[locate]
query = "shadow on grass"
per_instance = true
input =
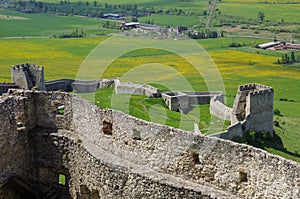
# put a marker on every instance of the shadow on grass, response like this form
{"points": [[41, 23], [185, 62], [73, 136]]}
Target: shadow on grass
{"points": [[264, 141]]}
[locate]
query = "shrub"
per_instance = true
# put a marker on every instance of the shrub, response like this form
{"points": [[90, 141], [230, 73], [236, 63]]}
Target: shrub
{"points": [[277, 112]]}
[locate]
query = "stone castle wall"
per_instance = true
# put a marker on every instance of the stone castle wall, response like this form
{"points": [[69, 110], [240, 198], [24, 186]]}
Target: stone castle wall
{"points": [[28, 76], [254, 103], [219, 109], [135, 89], [5, 86], [59, 84], [176, 101], [203, 97], [133, 152], [183, 101], [260, 110]]}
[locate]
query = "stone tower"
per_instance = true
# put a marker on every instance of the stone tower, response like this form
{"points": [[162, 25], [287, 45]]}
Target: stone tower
{"points": [[28, 76], [254, 105]]}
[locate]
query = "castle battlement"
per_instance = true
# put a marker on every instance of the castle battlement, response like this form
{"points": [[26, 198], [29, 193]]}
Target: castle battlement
{"points": [[268, 91], [26, 66], [253, 86], [254, 103]]}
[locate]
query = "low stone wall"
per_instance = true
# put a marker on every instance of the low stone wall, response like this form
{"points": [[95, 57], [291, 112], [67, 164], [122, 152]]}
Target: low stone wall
{"points": [[202, 97], [59, 84], [176, 101], [85, 86], [5, 86], [135, 89], [219, 109], [233, 131]]}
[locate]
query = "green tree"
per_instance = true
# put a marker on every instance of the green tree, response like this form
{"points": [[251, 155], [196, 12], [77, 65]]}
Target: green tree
{"points": [[293, 59], [261, 16], [71, 10]]}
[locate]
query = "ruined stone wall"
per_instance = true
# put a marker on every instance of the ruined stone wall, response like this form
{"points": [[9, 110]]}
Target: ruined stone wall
{"points": [[59, 84], [80, 86], [219, 109], [108, 176], [135, 89], [203, 97], [5, 86], [15, 149], [237, 168], [233, 131], [139, 158], [27, 76], [176, 101], [20, 77], [260, 111], [254, 103], [85, 86]]}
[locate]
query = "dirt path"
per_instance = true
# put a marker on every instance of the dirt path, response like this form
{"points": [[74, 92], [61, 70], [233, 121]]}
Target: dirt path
{"points": [[212, 9]]}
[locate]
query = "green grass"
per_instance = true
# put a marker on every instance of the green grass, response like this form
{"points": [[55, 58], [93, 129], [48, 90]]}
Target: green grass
{"points": [[250, 9], [191, 5], [46, 24], [155, 110], [62, 179], [168, 20]]}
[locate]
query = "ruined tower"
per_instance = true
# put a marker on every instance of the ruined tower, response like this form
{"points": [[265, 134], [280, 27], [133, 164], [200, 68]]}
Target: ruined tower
{"points": [[28, 76], [253, 106]]}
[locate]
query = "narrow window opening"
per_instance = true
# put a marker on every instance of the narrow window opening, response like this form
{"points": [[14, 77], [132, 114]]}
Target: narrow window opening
{"points": [[243, 177], [61, 110], [196, 158], [107, 128], [61, 179]]}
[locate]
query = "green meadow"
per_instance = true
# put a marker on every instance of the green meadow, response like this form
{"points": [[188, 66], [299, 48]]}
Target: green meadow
{"points": [[168, 20], [276, 11], [46, 24]]}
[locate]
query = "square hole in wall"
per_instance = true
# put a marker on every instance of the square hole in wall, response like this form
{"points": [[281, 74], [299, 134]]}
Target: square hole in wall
{"points": [[61, 179], [195, 157], [107, 128], [61, 110], [136, 135], [243, 177]]}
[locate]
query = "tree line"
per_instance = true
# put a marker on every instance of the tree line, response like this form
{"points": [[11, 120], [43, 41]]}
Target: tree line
{"points": [[96, 9], [288, 58]]}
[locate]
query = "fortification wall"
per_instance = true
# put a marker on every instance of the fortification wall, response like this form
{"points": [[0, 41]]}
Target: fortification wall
{"points": [[5, 86], [203, 97], [85, 86], [20, 77], [254, 104], [260, 111], [27, 76], [219, 109], [81, 86], [233, 131], [15, 148], [141, 152], [59, 84], [135, 89], [224, 164], [108, 176], [176, 101]]}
